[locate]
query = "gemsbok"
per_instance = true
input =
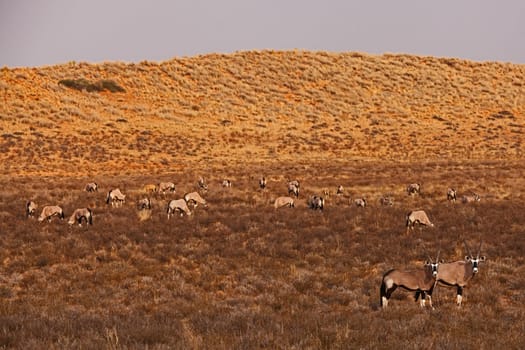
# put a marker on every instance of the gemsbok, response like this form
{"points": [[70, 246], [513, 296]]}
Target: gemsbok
{"points": [[281, 202], [293, 188], [226, 183], [386, 201], [422, 281], [164, 187], [414, 189], [31, 208], [452, 195], [150, 188], [340, 190], [49, 211], [91, 187], [470, 198], [360, 202], [316, 202], [178, 205], [194, 199], [115, 197], [201, 184], [262, 183], [144, 203], [81, 214], [417, 217], [459, 273]]}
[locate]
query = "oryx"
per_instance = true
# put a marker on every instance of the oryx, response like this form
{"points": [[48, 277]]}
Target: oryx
{"points": [[360, 202], [386, 201], [451, 194], [316, 202], [262, 183], [459, 273], [31, 209], [79, 214], [226, 183], [91, 187], [340, 190], [164, 187], [195, 199], [470, 198], [414, 189], [144, 203], [178, 205], [284, 202], [115, 197], [49, 211], [201, 184], [293, 188], [417, 217], [422, 281]]}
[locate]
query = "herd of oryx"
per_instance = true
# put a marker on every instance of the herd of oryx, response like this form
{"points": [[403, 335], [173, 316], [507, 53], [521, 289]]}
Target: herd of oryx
{"points": [[421, 281]]}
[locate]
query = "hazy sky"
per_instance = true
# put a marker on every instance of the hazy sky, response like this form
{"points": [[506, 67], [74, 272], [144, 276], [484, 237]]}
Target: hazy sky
{"points": [[46, 32]]}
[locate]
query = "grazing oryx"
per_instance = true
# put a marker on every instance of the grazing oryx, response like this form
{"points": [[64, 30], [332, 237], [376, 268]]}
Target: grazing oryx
{"points": [[386, 201], [195, 199], [414, 189], [164, 187], [226, 183], [293, 188], [459, 273], [49, 211], [115, 197], [202, 184], [451, 195], [91, 187], [360, 202], [284, 202], [150, 188], [316, 202], [178, 205], [340, 190], [79, 214], [262, 183], [422, 281], [31, 209], [417, 217], [470, 198], [144, 203]]}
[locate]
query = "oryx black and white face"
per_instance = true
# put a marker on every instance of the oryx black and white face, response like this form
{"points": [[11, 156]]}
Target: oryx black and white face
{"points": [[433, 267], [475, 262]]}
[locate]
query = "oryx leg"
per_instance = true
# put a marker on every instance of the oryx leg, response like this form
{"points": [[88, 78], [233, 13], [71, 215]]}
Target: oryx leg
{"points": [[459, 295]]}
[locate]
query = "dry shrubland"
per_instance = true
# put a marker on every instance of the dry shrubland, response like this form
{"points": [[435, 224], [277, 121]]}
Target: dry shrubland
{"points": [[239, 274]]}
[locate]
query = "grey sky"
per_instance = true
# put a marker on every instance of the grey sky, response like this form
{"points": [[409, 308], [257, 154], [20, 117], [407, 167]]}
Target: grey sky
{"points": [[46, 32]]}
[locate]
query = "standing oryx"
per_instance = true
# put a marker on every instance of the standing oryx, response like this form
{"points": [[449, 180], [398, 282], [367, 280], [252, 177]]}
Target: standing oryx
{"points": [[79, 214], [293, 188], [195, 199], [164, 187], [417, 217], [340, 190], [470, 198], [262, 183], [91, 187], [31, 208], [414, 189], [178, 205], [459, 273], [201, 184], [452, 195], [422, 281], [386, 201], [49, 211], [284, 202], [115, 197], [316, 202], [226, 183]]}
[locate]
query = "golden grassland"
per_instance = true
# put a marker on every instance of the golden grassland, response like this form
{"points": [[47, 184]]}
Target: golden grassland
{"points": [[239, 274], [262, 106]]}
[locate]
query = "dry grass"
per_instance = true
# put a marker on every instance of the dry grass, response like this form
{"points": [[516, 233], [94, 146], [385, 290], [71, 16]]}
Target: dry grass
{"points": [[264, 106], [240, 274], [248, 276]]}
